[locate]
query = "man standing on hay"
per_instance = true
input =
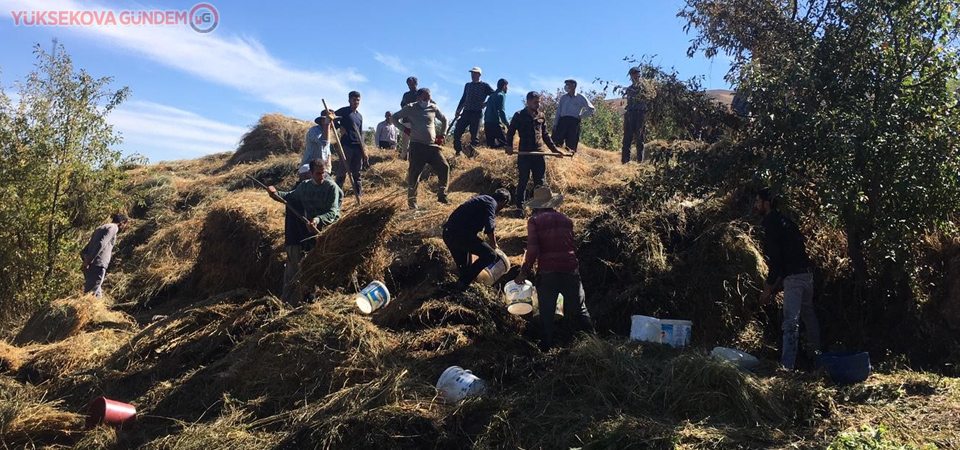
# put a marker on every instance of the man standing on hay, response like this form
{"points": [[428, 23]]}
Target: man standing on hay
{"points": [[408, 97], [425, 144], [789, 269], [529, 122], [550, 244], [97, 253], [495, 115], [319, 199], [572, 108], [386, 134], [318, 142], [351, 121], [633, 117], [460, 234], [470, 110]]}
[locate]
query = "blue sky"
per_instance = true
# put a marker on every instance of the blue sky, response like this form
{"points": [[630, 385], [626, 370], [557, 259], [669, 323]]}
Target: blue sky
{"points": [[194, 94]]}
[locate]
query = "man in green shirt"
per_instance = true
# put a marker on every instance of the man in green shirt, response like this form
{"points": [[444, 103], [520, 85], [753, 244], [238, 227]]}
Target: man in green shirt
{"points": [[320, 199], [495, 115]]}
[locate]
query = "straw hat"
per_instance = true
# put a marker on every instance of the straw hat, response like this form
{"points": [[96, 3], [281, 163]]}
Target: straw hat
{"points": [[543, 197]]}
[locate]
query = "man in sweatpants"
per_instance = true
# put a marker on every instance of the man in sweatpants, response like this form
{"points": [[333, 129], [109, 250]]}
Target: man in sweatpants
{"points": [[786, 255]]}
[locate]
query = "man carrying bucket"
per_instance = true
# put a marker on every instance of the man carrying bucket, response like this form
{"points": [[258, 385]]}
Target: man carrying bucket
{"points": [[425, 142], [319, 199], [460, 234], [550, 244], [789, 269]]}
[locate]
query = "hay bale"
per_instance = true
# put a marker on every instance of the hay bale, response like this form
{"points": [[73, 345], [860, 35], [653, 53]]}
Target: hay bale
{"points": [[273, 134], [78, 353], [241, 245], [70, 316], [351, 248], [28, 420]]}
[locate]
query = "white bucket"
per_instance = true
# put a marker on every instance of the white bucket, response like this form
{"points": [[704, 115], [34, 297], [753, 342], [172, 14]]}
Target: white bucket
{"points": [[492, 273], [738, 358], [645, 328], [519, 297], [676, 333], [455, 384], [372, 297]]}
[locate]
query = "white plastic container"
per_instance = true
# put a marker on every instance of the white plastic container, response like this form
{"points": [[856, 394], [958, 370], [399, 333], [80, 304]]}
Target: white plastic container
{"points": [[741, 359], [519, 297], [676, 333], [455, 384], [645, 328], [492, 273], [373, 297]]}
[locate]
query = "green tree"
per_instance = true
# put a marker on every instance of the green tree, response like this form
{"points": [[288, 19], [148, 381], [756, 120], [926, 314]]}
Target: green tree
{"points": [[59, 175], [851, 100]]}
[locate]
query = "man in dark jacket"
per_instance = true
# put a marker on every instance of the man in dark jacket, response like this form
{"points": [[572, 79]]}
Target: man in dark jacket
{"points": [[789, 269], [351, 121], [531, 126], [460, 234], [470, 110]]}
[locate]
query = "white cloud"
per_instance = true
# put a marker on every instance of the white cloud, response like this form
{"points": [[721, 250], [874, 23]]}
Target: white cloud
{"points": [[481, 50], [164, 132], [391, 61], [238, 62]]}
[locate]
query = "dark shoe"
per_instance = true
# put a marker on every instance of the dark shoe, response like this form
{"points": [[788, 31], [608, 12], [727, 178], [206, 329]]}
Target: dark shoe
{"points": [[413, 206], [521, 213], [443, 199]]}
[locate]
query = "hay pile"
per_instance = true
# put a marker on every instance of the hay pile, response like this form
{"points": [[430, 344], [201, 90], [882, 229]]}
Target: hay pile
{"points": [[693, 260], [61, 319], [168, 259], [273, 134], [80, 353], [350, 251], [11, 357], [241, 245], [29, 420]]}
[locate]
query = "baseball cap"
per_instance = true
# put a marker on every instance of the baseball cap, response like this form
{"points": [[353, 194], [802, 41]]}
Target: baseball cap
{"points": [[476, 69]]}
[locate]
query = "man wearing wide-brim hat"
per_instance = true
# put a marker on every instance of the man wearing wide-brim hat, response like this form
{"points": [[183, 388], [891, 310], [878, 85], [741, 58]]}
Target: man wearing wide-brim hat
{"points": [[318, 142], [551, 244]]}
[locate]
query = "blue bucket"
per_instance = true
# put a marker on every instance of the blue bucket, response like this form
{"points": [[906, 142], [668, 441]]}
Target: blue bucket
{"points": [[846, 367]]}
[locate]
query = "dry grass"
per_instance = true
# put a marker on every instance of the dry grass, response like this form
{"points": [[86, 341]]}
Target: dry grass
{"points": [[168, 259], [11, 357], [83, 352], [27, 419], [273, 134], [61, 319], [230, 431], [241, 244]]}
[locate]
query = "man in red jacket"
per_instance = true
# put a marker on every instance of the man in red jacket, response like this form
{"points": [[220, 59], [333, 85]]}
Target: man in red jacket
{"points": [[550, 241]]}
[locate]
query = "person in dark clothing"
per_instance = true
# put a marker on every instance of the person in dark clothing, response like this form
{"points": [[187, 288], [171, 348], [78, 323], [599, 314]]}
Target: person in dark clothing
{"points": [[552, 246], [789, 269], [495, 115], [633, 117], [409, 97], [460, 234], [470, 110], [295, 234], [531, 126], [350, 120]]}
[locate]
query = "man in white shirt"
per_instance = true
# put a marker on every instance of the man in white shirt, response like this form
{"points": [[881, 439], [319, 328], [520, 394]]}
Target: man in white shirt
{"points": [[571, 109], [386, 136]]}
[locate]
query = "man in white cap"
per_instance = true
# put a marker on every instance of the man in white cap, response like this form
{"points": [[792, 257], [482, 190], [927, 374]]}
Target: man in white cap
{"points": [[550, 244], [470, 110]]}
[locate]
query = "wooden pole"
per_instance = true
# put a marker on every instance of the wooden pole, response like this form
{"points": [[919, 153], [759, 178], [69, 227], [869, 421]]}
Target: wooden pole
{"points": [[343, 157]]}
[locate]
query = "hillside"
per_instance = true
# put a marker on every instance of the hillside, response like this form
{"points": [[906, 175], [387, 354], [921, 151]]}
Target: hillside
{"points": [[194, 336]]}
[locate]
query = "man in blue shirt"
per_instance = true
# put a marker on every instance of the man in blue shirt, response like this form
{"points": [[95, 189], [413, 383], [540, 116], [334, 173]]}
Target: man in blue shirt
{"points": [[495, 115], [460, 234], [350, 120]]}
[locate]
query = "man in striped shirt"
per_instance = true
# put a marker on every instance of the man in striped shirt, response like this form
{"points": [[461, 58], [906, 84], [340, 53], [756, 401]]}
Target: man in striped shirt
{"points": [[550, 244]]}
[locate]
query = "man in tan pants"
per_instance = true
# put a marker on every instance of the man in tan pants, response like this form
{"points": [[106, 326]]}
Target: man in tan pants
{"points": [[425, 142]]}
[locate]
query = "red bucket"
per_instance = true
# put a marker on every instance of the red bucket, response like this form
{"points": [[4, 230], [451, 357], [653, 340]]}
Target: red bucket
{"points": [[111, 412]]}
